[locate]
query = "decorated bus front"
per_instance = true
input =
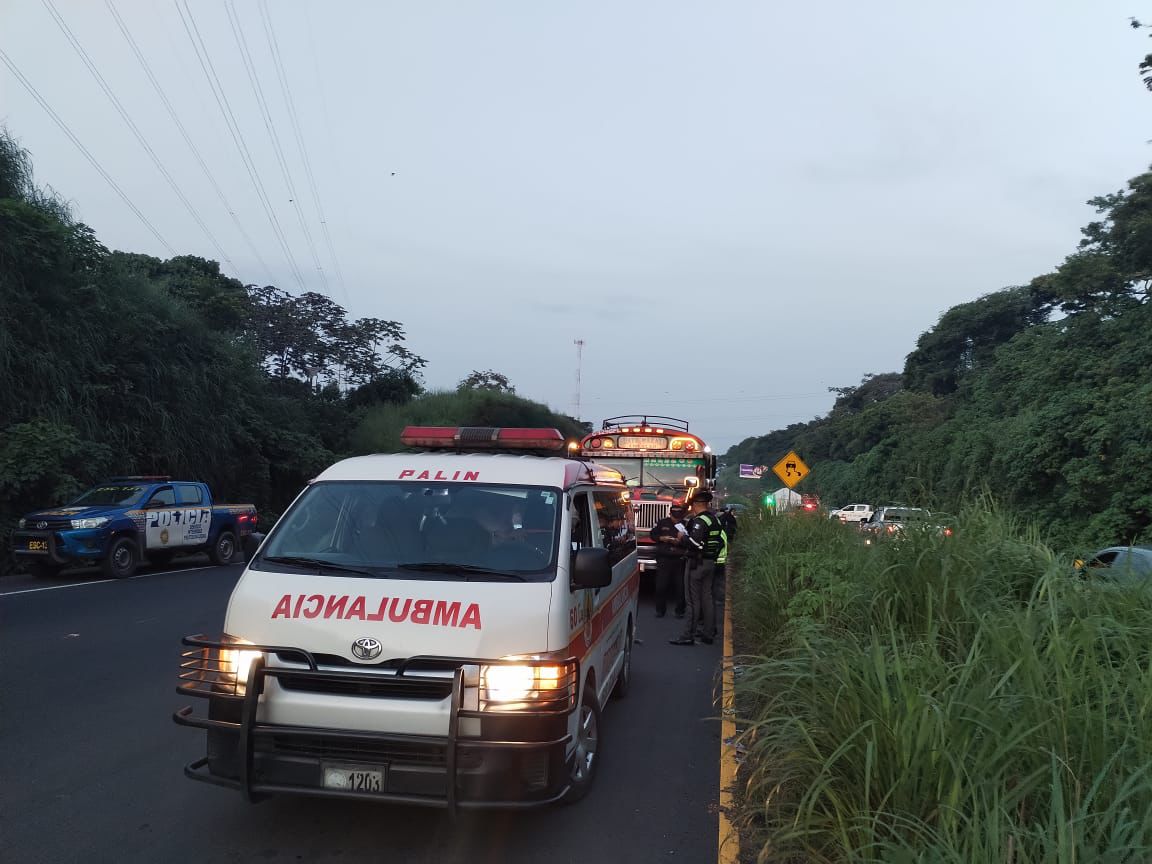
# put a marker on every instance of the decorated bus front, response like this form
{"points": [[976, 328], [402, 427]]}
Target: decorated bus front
{"points": [[662, 462]]}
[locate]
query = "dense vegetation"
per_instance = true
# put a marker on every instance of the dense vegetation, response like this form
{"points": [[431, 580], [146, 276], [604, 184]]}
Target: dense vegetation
{"points": [[117, 363], [1039, 393], [963, 699]]}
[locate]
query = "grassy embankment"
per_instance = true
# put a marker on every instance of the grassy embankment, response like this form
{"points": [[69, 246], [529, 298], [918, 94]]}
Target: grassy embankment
{"points": [[960, 699]]}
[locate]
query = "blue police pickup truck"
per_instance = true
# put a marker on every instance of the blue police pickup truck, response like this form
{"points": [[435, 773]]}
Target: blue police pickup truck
{"points": [[125, 520]]}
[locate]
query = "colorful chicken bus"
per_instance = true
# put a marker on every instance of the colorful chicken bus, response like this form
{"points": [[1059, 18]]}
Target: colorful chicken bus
{"points": [[662, 462]]}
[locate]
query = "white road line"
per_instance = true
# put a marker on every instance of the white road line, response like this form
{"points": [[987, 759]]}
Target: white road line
{"points": [[98, 582]]}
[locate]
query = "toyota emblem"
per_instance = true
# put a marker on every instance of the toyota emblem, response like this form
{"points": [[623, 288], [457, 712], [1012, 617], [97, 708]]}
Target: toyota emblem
{"points": [[366, 648], [41, 525]]}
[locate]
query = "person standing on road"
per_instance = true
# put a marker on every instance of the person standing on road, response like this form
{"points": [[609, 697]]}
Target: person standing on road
{"points": [[719, 586], [669, 536], [728, 522], [705, 541]]}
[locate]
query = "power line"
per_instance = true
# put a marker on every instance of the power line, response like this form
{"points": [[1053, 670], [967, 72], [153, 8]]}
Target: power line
{"points": [[728, 399], [270, 125], [187, 138], [67, 31], [80, 146], [209, 69], [286, 88], [308, 29]]}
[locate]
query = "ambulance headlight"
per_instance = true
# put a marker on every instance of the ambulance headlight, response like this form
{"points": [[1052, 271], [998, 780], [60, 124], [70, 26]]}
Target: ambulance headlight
{"points": [[528, 686], [216, 666], [238, 663], [509, 683]]}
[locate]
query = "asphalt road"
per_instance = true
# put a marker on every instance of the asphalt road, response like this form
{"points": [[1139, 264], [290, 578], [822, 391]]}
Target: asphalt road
{"points": [[90, 761]]}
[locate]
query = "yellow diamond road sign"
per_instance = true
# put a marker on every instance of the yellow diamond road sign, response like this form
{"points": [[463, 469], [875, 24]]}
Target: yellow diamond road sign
{"points": [[791, 469]]}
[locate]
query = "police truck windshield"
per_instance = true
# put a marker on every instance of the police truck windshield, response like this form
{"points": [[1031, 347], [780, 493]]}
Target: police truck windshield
{"points": [[419, 531], [110, 496]]}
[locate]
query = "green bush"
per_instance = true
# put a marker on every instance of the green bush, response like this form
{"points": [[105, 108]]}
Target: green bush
{"points": [[960, 699], [379, 431]]}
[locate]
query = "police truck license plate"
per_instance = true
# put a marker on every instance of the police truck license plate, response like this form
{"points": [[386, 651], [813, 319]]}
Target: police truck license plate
{"points": [[37, 545], [354, 779]]}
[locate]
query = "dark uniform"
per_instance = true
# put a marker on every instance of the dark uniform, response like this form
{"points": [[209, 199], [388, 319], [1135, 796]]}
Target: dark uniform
{"points": [[728, 523], [705, 543], [669, 552]]}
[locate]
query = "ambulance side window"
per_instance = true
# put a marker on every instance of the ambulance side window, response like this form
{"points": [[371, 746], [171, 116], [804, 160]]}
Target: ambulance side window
{"points": [[615, 519], [581, 521]]}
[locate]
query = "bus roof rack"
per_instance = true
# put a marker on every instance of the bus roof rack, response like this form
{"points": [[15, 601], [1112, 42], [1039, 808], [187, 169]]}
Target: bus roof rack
{"points": [[645, 420]]}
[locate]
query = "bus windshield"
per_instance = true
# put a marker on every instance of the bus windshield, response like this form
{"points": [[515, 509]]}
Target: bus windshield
{"points": [[654, 471]]}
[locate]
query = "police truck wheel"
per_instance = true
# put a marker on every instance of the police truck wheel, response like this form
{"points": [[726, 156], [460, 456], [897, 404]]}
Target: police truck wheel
{"points": [[224, 549], [624, 681], [122, 559], [585, 759]]}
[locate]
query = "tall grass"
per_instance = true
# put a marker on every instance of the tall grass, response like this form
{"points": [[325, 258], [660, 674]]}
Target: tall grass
{"points": [[959, 699]]}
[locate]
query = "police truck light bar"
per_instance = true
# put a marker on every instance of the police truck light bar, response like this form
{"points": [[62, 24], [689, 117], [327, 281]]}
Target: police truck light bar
{"points": [[481, 438]]}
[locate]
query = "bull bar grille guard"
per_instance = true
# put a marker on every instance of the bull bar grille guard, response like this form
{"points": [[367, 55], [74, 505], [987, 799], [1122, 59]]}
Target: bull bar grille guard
{"points": [[201, 666]]}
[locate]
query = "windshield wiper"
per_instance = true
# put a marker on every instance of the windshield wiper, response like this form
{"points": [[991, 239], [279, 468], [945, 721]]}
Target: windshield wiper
{"points": [[301, 561], [463, 569]]}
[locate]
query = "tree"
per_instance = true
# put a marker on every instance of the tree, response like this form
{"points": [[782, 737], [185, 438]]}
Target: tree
{"points": [[1112, 268], [967, 335], [487, 380], [1146, 65]]}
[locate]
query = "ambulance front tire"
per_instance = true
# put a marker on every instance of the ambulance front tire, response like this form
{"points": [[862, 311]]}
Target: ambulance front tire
{"points": [[585, 760], [624, 679]]}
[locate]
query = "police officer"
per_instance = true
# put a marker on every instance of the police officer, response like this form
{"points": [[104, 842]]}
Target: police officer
{"points": [[728, 523], [705, 541], [668, 534], [718, 584]]}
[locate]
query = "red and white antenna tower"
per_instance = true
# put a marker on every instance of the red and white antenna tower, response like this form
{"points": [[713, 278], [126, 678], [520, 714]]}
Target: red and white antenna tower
{"points": [[579, 343]]}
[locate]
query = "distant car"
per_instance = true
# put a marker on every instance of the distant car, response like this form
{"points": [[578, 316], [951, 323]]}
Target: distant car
{"points": [[891, 522], [1120, 563], [854, 513], [809, 504]]}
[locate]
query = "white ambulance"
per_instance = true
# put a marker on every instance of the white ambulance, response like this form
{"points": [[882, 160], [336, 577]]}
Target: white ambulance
{"points": [[439, 627]]}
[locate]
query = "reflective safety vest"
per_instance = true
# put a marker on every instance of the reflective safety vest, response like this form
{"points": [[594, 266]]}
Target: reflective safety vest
{"points": [[722, 558], [714, 543]]}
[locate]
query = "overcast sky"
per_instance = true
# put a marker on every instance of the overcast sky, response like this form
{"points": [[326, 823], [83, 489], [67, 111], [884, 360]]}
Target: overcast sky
{"points": [[736, 205]]}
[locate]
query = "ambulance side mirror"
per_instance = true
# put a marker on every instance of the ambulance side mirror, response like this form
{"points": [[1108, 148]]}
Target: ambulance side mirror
{"points": [[591, 568], [250, 545]]}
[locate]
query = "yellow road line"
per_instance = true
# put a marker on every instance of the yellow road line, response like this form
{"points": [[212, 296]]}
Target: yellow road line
{"points": [[728, 848]]}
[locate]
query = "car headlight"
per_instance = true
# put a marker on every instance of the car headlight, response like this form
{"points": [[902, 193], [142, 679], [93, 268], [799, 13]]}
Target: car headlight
{"points": [[236, 663], [528, 685], [95, 522]]}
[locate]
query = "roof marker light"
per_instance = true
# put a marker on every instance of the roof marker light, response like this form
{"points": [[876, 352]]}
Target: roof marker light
{"points": [[482, 438]]}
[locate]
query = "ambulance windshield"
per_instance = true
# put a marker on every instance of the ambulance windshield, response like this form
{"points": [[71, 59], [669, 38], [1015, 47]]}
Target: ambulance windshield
{"points": [[418, 530]]}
